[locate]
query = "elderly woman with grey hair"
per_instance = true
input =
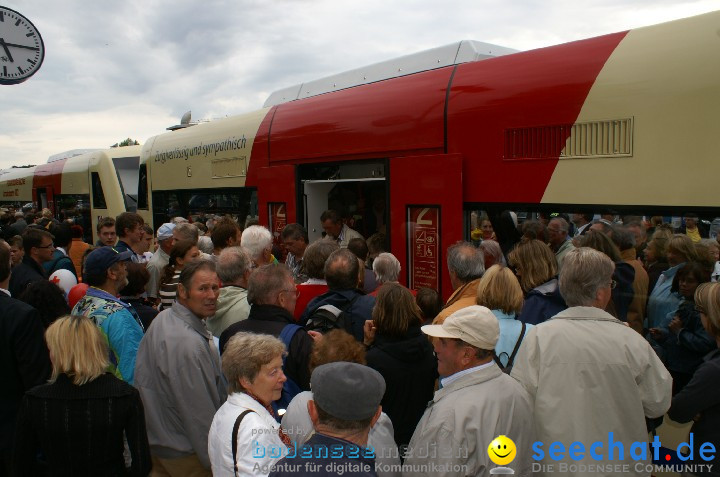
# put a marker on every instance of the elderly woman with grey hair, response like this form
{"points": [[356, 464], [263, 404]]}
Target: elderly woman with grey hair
{"points": [[387, 270], [245, 438], [257, 242]]}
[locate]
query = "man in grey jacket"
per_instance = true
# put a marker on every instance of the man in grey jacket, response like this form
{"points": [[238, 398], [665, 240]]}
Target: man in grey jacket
{"points": [[592, 378], [476, 405], [179, 376]]}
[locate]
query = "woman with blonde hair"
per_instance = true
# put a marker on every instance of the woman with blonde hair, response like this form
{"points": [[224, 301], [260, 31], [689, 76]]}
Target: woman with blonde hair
{"points": [[680, 249], [245, 435], [500, 291], [79, 418], [536, 268], [698, 401]]}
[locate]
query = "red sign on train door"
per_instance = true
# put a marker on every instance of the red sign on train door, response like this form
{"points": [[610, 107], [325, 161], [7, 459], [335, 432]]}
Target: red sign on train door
{"points": [[277, 215], [423, 233]]}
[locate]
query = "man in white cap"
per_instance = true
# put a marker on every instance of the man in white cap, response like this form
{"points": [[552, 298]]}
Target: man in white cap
{"points": [[160, 259], [476, 404]]}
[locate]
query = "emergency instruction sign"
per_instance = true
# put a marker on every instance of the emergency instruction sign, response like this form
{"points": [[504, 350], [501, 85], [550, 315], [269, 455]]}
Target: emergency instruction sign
{"points": [[423, 246]]}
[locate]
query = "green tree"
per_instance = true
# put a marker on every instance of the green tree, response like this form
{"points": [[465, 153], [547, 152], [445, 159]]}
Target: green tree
{"points": [[126, 142]]}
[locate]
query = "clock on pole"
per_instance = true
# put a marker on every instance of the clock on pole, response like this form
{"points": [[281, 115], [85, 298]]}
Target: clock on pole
{"points": [[21, 47]]}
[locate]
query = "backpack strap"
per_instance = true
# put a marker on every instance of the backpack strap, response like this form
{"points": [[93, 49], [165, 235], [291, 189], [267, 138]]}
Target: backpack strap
{"points": [[236, 427], [517, 345], [286, 335]]}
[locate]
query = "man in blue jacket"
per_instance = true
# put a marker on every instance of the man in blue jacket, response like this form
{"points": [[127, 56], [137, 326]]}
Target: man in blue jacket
{"points": [[106, 274]]}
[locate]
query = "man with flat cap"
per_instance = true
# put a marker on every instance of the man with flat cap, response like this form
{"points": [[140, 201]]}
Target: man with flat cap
{"points": [[106, 275], [345, 405], [476, 404]]}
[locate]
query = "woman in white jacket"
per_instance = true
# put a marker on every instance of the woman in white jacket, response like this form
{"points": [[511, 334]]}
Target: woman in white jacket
{"points": [[252, 364]]}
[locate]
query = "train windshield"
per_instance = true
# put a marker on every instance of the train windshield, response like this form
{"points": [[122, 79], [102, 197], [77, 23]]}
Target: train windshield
{"points": [[128, 173]]}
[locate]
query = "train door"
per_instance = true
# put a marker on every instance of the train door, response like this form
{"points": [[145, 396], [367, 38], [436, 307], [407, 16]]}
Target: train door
{"points": [[426, 217], [42, 198], [356, 190], [277, 201]]}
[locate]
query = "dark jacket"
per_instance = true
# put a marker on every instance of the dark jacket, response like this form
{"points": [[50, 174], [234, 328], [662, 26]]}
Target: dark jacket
{"points": [[99, 412], [359, 311], [623, 293], [59, 261], [542, 303], [143, 309], [270, 320], [124, 247], [409, 367], [654, 271], [685, 351], [24, 360], [701, 397], [24, 274], [329, 455]]}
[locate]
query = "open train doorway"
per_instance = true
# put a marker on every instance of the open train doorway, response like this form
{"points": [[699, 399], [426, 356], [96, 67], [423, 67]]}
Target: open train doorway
{"points": [[357, 191]]}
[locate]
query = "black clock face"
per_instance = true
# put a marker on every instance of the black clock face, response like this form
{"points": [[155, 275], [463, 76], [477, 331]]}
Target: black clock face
{"points": [[21, 47]]}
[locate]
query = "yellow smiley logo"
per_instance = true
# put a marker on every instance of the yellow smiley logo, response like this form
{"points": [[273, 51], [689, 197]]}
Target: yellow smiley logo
{"points": [[502, 450]]}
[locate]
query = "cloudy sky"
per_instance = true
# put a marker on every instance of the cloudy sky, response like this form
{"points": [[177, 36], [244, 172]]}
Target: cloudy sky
{"points": [[118, 69]]}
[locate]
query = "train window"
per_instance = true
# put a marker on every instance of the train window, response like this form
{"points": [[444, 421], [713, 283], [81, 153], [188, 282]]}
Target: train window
{"points": [[495, 221], [127, 172], [240, 203], [98, 195], [142, 197], [76, 207]]}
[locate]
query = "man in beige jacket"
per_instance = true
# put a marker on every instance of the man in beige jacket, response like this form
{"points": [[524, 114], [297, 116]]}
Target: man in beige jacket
{"points": [[592, 378], [466, 265]]}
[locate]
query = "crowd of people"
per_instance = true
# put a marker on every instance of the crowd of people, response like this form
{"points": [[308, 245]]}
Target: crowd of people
{"points": [[215, 348]]}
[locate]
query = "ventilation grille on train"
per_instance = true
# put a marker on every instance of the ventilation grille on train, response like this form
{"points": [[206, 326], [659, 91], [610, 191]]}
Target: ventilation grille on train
{"points": [[229, 167], [611, 138]]}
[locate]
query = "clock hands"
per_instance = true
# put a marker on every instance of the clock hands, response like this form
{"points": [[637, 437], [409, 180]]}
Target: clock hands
{"points": [[5, 45], [7, 51]]}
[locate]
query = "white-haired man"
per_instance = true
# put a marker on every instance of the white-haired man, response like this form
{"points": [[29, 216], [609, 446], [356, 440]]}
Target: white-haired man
{"points": [[558, 239], [387, 269], [591, 376], [257, 242]]}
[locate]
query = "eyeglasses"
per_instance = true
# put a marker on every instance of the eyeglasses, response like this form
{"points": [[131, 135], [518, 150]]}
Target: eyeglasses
{"points": [[613, 284], [51, 245], [292, 290]]}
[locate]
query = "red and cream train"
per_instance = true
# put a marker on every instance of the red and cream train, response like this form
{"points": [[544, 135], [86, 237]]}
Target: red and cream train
{"points": [[626, 120]]}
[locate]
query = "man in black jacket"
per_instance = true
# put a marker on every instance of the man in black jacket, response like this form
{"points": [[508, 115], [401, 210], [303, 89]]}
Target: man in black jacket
{"points": [[272, 296], [38, 246], [23, 354]]}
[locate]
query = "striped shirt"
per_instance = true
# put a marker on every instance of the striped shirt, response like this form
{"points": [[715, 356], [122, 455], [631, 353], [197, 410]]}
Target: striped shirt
{"points": [[168, 291]]}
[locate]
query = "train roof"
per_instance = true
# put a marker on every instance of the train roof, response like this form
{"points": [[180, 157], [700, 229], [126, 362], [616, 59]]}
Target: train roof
{"points": [[455, 53], [68, 154]]}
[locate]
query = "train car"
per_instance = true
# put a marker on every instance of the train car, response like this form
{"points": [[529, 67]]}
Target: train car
{"points": [[88, 186], [199, 169], [623, 121], [16, 187]]}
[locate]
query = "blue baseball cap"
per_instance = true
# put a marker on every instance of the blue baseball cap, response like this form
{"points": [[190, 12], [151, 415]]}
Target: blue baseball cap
{"points": [[100, 259]]}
